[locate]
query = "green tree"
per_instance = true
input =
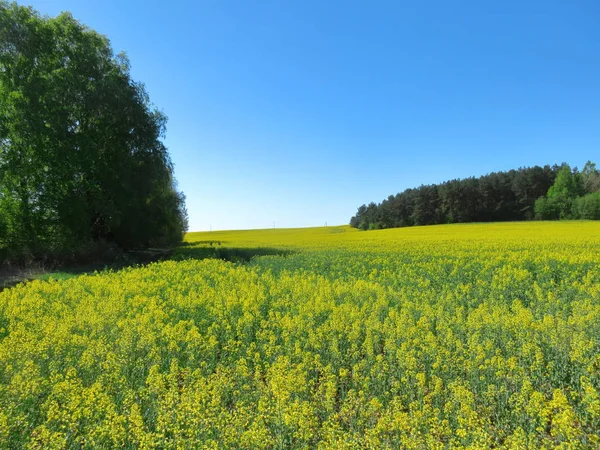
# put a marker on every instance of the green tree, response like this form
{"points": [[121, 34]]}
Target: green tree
{"points": [[587, 207], [591, 178], [81, 156], [568, 184], [561, 195], [546, 209]]}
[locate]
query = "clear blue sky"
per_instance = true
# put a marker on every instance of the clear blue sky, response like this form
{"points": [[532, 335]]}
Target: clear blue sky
{"points": [[297, 112]]}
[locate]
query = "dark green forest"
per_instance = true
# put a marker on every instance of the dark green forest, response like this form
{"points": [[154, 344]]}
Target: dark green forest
{"points": [[547, 193], [82, 162]]}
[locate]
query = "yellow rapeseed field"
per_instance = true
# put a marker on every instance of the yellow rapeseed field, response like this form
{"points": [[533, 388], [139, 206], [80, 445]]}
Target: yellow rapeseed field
{"points": [[457, 336]]}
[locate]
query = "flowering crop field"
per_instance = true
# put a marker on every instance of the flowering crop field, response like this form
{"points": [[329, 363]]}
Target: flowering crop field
{"points": [[453, 336]]}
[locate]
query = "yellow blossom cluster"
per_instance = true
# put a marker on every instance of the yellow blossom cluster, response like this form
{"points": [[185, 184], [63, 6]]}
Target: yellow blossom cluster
{"points": [[457, 336]]}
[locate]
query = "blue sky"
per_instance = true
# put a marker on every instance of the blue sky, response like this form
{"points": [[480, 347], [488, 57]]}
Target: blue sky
{"points": [[298, 112]]}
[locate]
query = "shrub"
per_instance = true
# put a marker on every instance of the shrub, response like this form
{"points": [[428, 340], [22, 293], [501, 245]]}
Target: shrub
{"points": [[587, 207]]}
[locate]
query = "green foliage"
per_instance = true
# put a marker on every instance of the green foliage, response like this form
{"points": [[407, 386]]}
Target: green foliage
{"points": [[548, 193], [568, 184], [546, 209], [587, 207], [81, 157], [591, 178], [564, 199], [556, 207], [498, 196]]}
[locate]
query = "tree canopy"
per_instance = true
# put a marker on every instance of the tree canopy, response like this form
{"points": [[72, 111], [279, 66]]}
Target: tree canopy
{"points": [[498, 196], [527, 193], [81, 155], [574, 195]]}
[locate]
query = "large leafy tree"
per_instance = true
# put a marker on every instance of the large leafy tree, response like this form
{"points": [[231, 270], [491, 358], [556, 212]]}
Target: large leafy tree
{"points": [[558, 203], [81, 156]]}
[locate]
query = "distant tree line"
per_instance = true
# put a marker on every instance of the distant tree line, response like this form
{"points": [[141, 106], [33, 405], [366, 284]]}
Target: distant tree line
{"points": [[549, 192], [81, 156]]}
